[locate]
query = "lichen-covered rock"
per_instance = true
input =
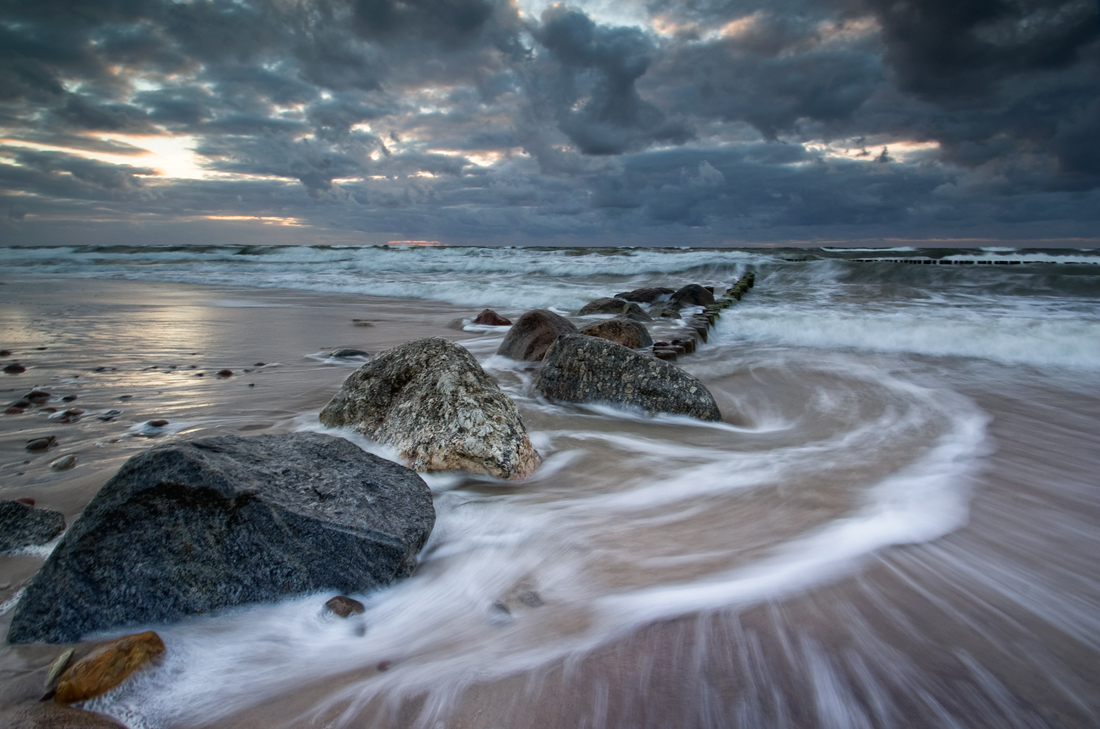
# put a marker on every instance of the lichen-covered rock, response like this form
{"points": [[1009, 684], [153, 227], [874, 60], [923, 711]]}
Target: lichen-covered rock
{"points": [[22, 525], [107, 666], [532, 335], [581, 369], [618, 307], [191, 527], [647, 295], [626, 332], [433, 402]]}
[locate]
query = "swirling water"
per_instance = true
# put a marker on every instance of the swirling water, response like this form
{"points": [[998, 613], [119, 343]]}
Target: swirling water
{"points": [[895, 525]]}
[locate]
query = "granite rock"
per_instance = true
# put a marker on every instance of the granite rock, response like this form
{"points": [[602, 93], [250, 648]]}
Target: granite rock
{"points": [[532, 335], [620, 330], [580, 369], [22, 525], [433, 402], [191, 527]]}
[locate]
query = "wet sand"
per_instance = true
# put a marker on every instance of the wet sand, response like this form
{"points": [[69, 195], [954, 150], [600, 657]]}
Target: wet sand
{"points": [[996, 624]]}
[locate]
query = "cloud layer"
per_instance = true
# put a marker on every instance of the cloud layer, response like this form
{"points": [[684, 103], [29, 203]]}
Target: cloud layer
{"points": [[492, 122]]}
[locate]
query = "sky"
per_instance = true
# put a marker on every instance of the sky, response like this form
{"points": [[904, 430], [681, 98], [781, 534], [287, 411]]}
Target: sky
{"points": [[524, 122]]}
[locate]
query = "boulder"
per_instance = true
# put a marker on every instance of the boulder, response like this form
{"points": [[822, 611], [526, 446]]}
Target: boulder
{"points": [[620, 330], [107, 666], [645, 296], [191, 527], [692, 295], [22, 525], [491, 318], [432, 401], [532, 335], [581, 369], [614, 306]]}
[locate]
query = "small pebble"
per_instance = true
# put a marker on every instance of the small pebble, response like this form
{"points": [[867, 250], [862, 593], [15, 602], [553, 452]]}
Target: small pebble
{"points": [[125, 397], [41, 444], [200, 374], [251, 384], [14, 411], [68, 398], [109, 415], [21, 404], [225, 373], [385, 665], [26, 500], [5, 352], [258, 364], [157, 423], [37, 396], [64, 463], [57, 667], [15, 368], [41, 349], [344, 606]]}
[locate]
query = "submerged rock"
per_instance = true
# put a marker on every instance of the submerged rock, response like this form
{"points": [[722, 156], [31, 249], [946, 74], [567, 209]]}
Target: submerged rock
{"points": [[646, 296], [349, 352], [191, 527], [614, 306], [622, 331], [107, 667], [431, 400], [22, 525], [581, 369], [532, 335]]}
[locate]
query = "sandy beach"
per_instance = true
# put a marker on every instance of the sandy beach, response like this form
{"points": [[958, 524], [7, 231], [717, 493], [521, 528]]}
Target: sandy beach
{"points": [[991, 624]]}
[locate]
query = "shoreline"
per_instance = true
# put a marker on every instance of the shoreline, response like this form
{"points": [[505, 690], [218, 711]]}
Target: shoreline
{"points": [[910, 609]]}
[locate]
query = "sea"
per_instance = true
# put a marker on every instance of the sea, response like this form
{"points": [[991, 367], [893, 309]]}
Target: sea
{"points": [[896, 524]]}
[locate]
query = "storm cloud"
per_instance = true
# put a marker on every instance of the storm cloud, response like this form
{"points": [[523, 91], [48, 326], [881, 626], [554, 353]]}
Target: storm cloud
{"points": [[497, 122]]}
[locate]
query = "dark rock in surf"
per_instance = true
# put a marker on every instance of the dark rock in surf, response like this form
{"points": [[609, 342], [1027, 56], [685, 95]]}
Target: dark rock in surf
{"points": [[579, 369], [108, 666], [692, 295], [349, 352], [532, 335], [626, 332], [433, 402], [22, 525], [489, 317], [614, 306], [15, 369], [645, 296], [191, 527]]}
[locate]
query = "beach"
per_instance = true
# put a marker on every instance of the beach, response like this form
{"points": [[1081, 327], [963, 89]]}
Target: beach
{"points": [[894, 525]]}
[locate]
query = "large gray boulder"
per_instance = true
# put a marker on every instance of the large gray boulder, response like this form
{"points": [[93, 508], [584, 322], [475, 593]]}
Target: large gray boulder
{"points": [[532, 335], [620, 330], [433, 402], [191, 527], [580, 369], [22, 525]]}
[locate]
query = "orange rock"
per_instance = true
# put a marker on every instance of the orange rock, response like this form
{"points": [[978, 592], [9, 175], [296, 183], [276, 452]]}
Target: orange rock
{"points": [[107, 667]]}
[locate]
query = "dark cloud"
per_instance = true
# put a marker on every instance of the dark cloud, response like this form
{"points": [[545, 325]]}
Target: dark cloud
{"points": [[463, 120], [594, 96]]}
